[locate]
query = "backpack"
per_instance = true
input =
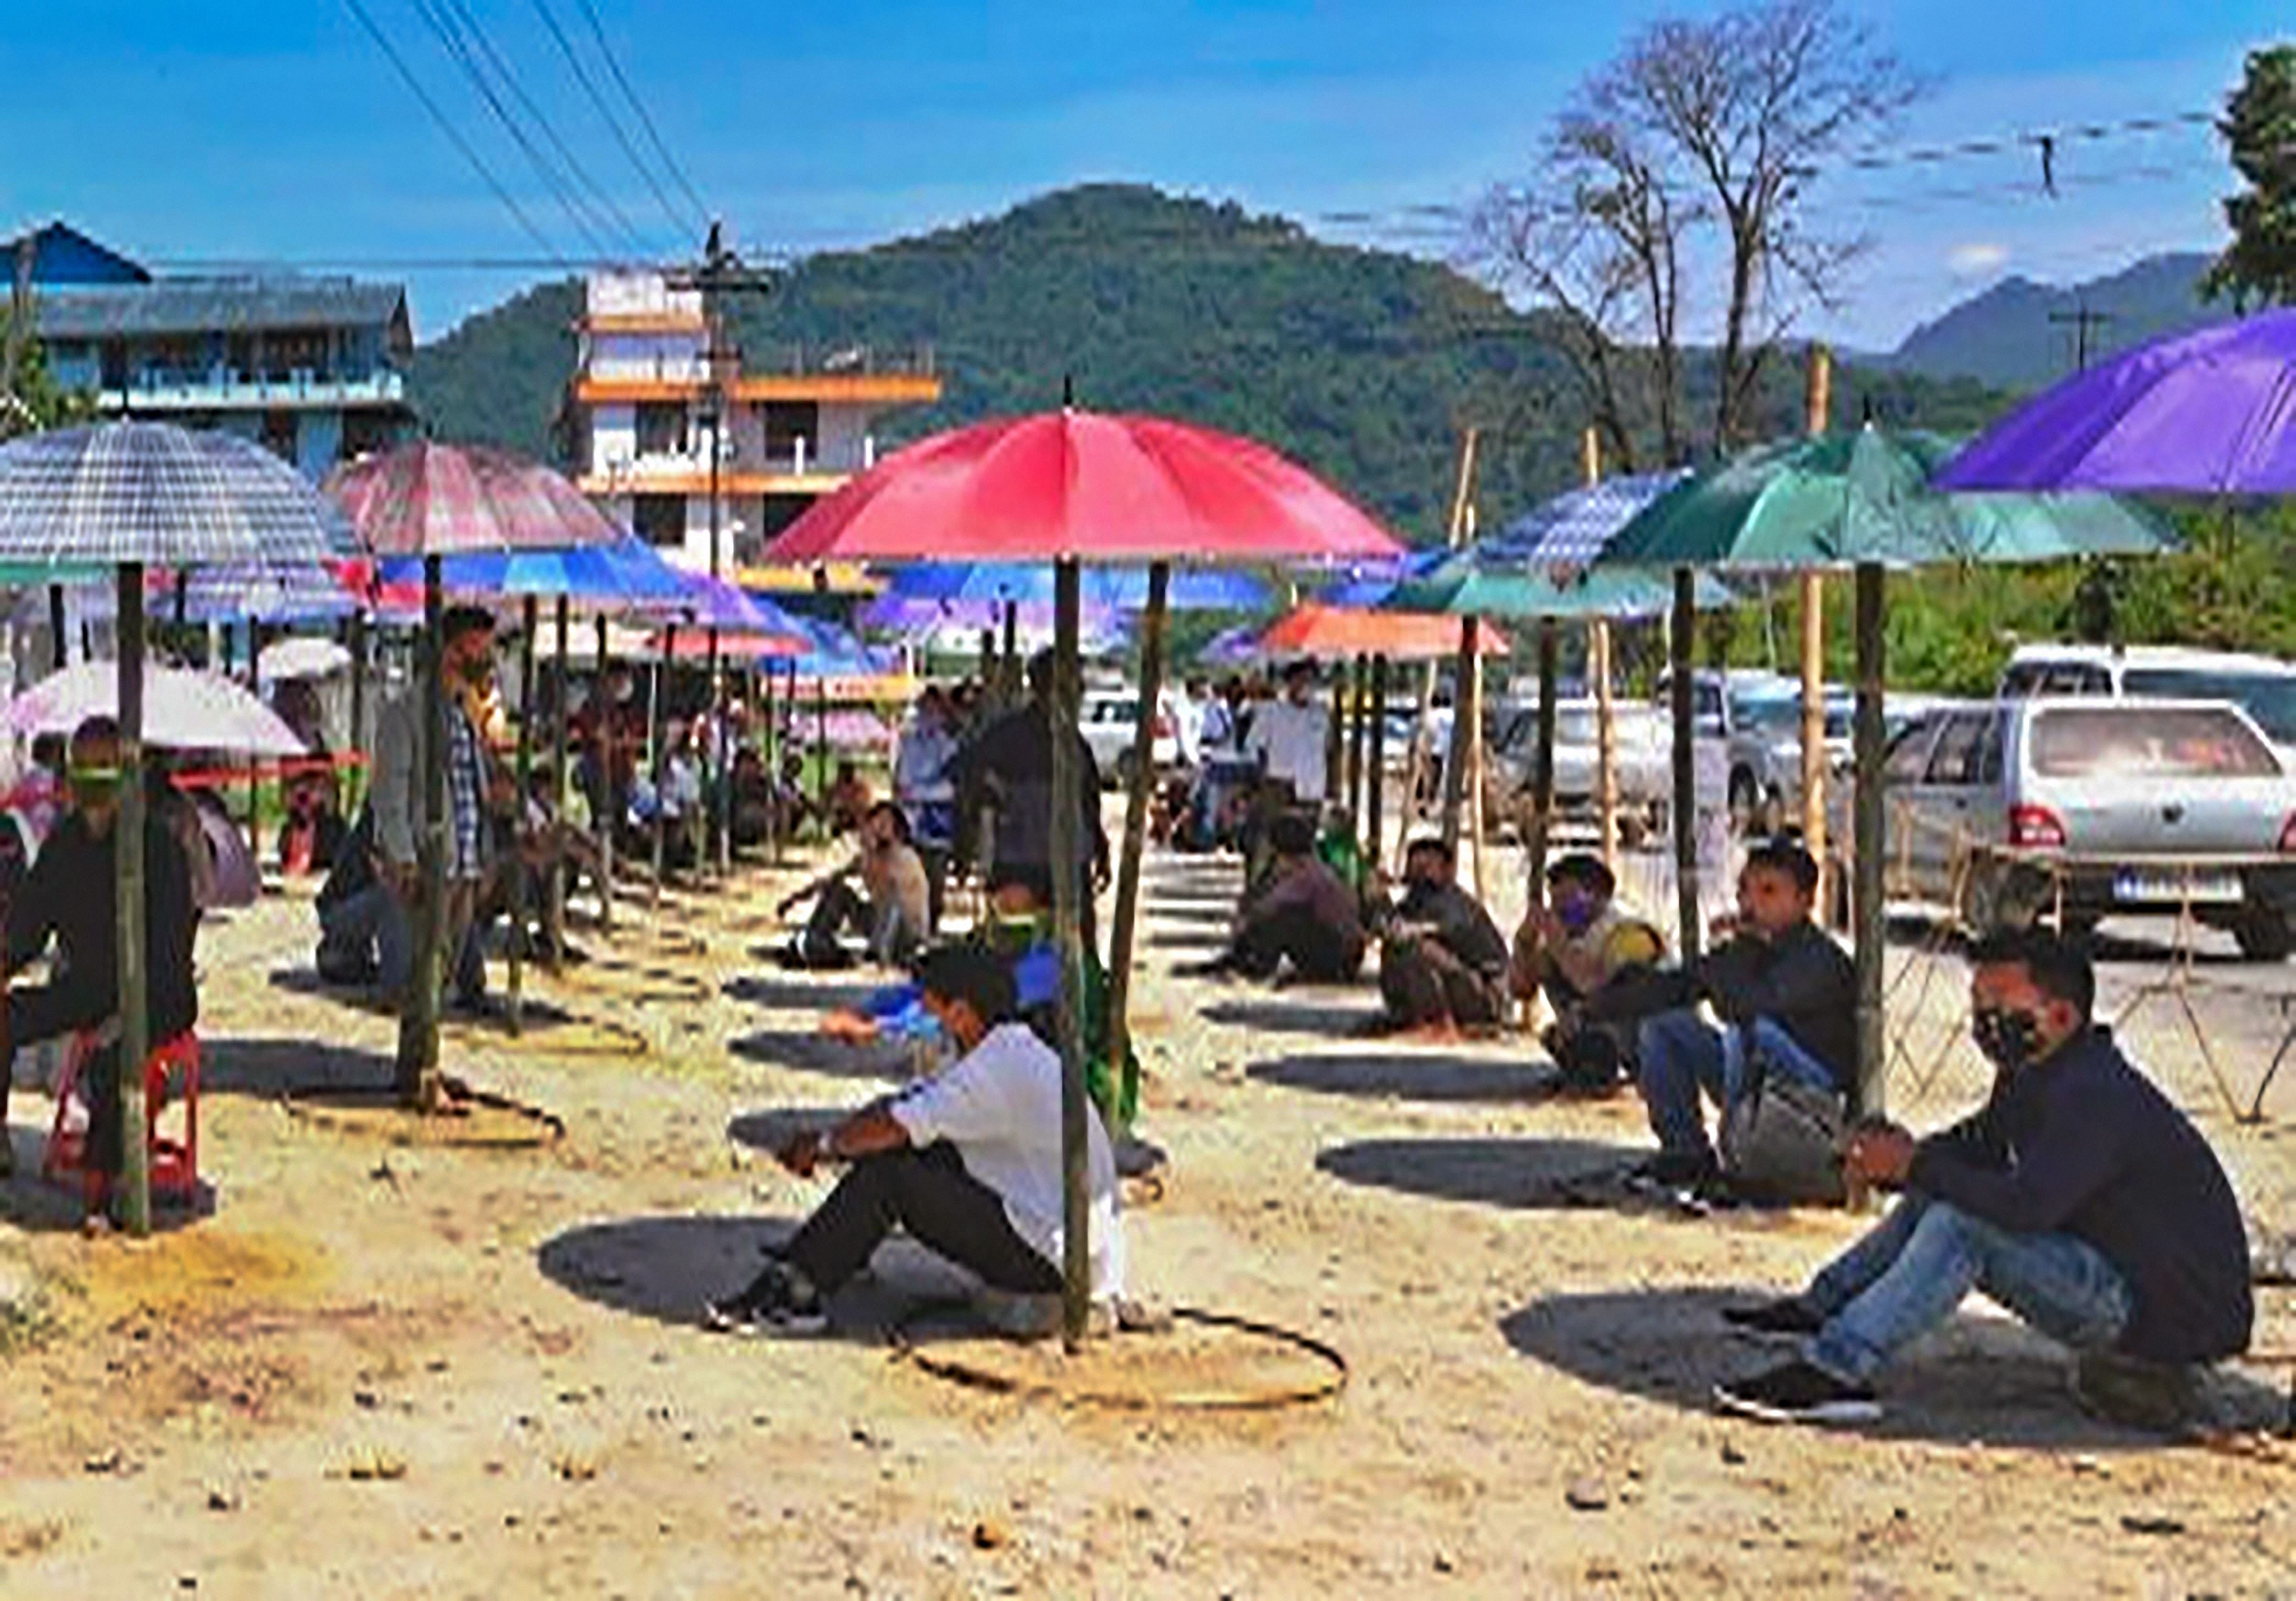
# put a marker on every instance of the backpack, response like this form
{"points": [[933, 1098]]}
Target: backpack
{"points": [[1782, 1141]]}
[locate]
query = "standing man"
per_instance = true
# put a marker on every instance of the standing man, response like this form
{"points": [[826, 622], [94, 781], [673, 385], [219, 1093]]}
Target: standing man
{"points": [[1289, 737], [925, 792], [72, 898], [1008, 771], [2079, 1198]]}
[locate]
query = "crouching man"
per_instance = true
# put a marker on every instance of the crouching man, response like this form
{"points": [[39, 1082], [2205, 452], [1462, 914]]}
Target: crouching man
{"points": [[967, 1162], [2078, 1198]]}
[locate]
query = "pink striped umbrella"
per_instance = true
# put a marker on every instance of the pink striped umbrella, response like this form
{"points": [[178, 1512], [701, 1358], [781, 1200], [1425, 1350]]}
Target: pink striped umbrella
{"points": [[441, 500]]}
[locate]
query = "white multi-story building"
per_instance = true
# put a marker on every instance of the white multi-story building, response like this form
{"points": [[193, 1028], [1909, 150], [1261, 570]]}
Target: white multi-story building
{"points": [[643, 408]]}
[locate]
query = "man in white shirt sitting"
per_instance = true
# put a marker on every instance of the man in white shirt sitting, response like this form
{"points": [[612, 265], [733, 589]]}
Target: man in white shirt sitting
{"points": [[968, 1162]]}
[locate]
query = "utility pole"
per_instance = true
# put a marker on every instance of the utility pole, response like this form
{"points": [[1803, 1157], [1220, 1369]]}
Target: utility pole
{"points": [[2080, 320]]}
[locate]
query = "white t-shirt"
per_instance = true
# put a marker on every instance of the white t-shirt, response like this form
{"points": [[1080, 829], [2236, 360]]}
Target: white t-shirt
{"points": [[1000, 1105], [1293, 738]]}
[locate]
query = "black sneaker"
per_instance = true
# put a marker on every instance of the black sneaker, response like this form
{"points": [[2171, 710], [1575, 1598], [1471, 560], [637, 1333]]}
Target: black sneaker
{"points": [[1797, 1391], [1787, 1315], [778, 1302]]}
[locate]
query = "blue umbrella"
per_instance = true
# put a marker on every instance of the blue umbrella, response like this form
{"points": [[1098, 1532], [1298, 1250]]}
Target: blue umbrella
{"points": [[1112, 588], [1572, 528], [628, 571], [1369, 586]]}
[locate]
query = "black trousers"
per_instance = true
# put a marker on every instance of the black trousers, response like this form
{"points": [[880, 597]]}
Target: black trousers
{"points": [[942, 1207], [1319, 952], [839, 908], [1423, 983], [49, 1011]]}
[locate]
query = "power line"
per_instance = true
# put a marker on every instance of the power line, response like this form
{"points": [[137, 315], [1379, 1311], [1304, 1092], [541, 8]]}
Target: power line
{"points": [[646, 119], [443, 29], [606, 110], [453, 134], [605, 202]]}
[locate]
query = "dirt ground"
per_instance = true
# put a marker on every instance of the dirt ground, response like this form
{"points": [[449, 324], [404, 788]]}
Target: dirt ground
{"points": [[376, 1369]]}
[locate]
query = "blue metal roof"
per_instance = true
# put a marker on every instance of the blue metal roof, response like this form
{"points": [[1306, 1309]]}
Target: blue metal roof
{"points": [[182, 305]]}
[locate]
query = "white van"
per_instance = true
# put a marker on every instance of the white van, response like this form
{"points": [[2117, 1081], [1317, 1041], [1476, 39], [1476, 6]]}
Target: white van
{"points": [[2262, 686]]}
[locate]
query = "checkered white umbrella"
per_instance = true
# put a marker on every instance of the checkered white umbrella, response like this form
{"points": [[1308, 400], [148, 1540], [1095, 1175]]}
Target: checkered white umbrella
{"points": [[1569, 532], [152, 492]]}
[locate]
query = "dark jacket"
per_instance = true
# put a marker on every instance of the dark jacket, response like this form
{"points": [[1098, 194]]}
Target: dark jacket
{"points": [[2083, 1144], [1010, 764], [70, 897], [1801, 981], [1460, 924], [350, 869]]}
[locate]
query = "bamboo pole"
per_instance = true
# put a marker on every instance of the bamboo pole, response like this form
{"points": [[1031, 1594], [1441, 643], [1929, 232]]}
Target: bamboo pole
{"points": [[530, 623], [560, 779], [418, 1019], [1478, 824], [59, 634], [1358, 702], [1374, 832], [1455, 766], [1541, 765], [254, 763], [1066, 820], [1135, 818], [1868, 909], [1598, 667], [1681, 635], [1818, 402], [659, 758], [769, 753], [605, 820], [719, 757], [352, 786], [134, 1021]]}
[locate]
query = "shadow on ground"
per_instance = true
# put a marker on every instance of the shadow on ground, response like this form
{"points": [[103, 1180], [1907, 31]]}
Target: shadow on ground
{"points": [[1984, 1380], [276, 1067], [1324, 1012], [1206, 940], [1529, 1174], [1410, 1075], [769, 1128], [806, 1052], [801, 992], [39, 1206], [665, 1268]]}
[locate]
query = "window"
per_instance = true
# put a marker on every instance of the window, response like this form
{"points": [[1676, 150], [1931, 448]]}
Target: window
{"points": [[2026, 679], [1955, 760], [2132, 740], [662, 428], [786, 421], [1902, 763], [660, 519], [2269, 698]]}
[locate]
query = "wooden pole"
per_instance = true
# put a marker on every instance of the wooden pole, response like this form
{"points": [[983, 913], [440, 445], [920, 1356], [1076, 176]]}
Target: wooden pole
{"points": [[353, 787], [1374, 828], [1598, 666], [418, 1018], [769, 753], [1121, 929], [1335, 745], [555, 915], [58, 637], [1871, 922], [1008, 677], [530, 623], [719, 757], [1462, 497], [1542, 762], [1066, 846], [660, 757], [1455, 766], [1357, 704], [821, 749], [1478, 824], [605, 820], [128, 846], [1817, 404], [254, 764], [1681, 638]]}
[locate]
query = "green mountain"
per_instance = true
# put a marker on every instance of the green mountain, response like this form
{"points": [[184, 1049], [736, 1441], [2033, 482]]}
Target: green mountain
{"points": [[1364, 364], [2017, 335]]}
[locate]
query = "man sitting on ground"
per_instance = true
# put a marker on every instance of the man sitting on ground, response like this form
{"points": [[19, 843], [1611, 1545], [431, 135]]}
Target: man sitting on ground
{"points": [[891, 911], [967, 1162], [71, 897], [2078, 1198], [1303, 913], [1585, 955], [1442, 961], [1787, 996]]}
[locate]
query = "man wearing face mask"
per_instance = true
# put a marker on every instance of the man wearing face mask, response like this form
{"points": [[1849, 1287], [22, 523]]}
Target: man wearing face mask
{"points": [[2079, 1198], [1585, 954], [1442, 961], [70, 898]]}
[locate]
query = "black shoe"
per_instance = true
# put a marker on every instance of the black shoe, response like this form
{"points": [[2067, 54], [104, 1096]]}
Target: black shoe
{"points": [[1787, 1315], [2135, 1393], [1678, 1170], [778, 1302], [1797, 1391]]}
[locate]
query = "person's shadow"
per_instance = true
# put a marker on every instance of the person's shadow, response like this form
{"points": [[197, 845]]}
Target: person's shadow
{"points": [[1409, 1075], [1987, 1380], [1529, 1174]]}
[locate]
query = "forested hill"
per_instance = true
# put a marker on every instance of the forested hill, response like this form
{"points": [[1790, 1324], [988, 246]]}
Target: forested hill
{"points": [[1362, 363]]}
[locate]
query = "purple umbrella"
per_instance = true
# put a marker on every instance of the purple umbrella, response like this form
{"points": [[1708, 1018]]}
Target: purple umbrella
{"points": [[2208, 413]]}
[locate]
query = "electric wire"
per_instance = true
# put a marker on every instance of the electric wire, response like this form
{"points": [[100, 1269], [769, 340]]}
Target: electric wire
{"points": [[446, 125], [646, 119], [606, 112]]}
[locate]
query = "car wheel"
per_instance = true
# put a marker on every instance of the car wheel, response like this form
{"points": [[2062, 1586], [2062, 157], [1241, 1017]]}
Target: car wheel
{"points": [[2000, 899], [2264, 934]]}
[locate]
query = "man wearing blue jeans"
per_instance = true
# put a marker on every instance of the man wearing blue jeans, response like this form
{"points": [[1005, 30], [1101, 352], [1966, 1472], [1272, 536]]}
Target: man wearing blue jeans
{"points": [[2078, 1198], [1787, 997]]}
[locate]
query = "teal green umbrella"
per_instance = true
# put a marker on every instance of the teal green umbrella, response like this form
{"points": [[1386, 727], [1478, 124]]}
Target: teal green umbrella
{"points": [[1863, 501], [1842, 500], [1468, 585]]}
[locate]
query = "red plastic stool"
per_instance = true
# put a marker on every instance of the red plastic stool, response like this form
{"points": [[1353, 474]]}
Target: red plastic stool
{"points": [[174, 1165]]}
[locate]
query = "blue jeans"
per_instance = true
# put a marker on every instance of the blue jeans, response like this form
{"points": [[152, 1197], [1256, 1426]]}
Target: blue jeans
{"points": [[1906, 1277], [1680, 1054]]}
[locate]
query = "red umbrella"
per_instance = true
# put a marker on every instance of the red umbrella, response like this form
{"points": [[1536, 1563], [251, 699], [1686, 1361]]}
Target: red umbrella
{"points": [[1336, 631], [1069, 486], [1088, 487]]}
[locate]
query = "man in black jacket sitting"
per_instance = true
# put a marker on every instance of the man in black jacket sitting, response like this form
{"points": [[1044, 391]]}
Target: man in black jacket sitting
{"points": [[2078, 1198], [1442, 961], [1787, 997]]}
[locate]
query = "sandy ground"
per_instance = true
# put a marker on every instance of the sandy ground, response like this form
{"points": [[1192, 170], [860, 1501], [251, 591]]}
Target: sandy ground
{"points": [[377, 1370]]}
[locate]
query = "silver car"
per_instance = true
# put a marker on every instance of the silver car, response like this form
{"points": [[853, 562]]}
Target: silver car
{"points": [[2084, 807]]}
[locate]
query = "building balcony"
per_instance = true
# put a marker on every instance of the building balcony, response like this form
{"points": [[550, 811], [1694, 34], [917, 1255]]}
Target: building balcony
{"points": [[852, 377], [222, 389]]}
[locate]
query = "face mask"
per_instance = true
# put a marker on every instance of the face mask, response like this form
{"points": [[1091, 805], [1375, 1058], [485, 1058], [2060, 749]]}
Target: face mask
{"points": [[1575, 912], [2007, 1038], [94, 786]]}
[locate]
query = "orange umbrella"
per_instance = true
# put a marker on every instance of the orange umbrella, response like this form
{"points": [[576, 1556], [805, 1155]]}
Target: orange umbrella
{"points": [[1345, 631]]}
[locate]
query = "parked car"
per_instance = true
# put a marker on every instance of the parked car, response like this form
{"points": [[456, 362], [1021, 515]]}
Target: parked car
{"points": [[2089, 807], [1111, 726], [2264, 686], [1645, 764], [1765, 741]]}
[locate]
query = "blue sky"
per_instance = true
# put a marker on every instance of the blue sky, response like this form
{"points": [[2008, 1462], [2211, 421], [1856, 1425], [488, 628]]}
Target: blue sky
{"points": [[274, 130]]}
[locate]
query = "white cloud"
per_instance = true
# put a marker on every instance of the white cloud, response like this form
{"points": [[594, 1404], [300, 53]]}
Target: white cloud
{"points": [[1977, 260]]}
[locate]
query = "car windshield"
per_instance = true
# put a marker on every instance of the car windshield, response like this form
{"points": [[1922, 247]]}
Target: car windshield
{"points": [[1574, 725], [1779, 717], [2269, 698], [2121, 741]]}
